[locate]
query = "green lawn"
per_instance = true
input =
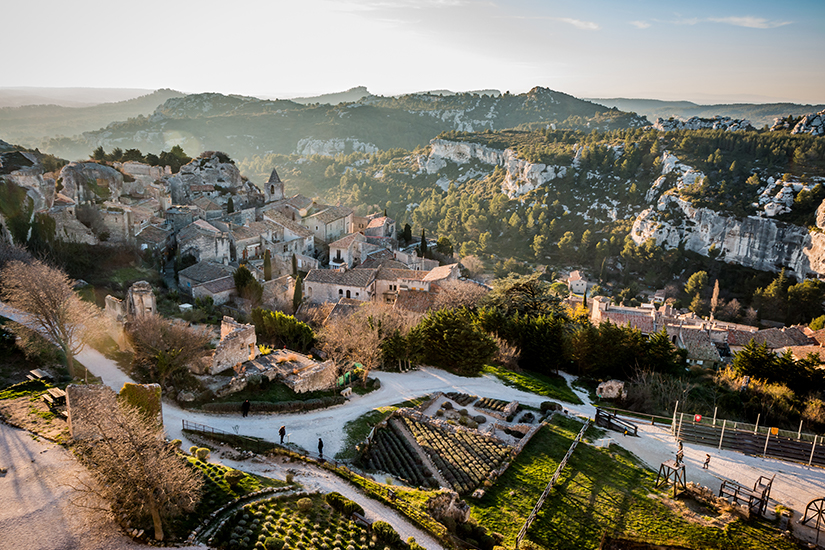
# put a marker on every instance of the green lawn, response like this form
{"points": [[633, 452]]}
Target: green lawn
{"points": [[599, 491], [554, 387]]}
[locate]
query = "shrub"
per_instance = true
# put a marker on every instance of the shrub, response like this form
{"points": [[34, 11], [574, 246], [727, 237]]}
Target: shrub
{"points": [[272, 543], [385, 532], [175, 443], [447, 406], [548, 406], [202, 453], [233, 477], [193, 450], [480, 419], [463, 412], [343, 504], [304, 504], [289, 478]]}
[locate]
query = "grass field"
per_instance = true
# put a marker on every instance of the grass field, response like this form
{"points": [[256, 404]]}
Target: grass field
{"points": [[554, 387], [599, 491]]}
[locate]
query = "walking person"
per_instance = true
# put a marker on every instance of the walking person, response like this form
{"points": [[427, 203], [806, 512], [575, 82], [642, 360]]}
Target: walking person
{"points": [[707, 462], [245, 408], [282, 433], [320, 447]]}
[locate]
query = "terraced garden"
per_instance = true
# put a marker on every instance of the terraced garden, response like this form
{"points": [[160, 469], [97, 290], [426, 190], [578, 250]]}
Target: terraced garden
{"points": [[391, 452], [295, 522], [465, 459]]}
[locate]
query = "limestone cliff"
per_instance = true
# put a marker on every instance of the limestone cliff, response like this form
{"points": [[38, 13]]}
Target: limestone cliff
{"points": [[331, 147], [521, 176], [213, 170], [90, 182], [696, 123]]}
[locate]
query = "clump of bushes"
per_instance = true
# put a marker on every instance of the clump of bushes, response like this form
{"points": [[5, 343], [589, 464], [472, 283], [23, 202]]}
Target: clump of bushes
{"points": [[233, 477], [342, 504], [385, 532], [305, 504]]}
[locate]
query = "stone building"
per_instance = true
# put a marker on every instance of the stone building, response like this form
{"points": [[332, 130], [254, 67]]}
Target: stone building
{"points": [[205, 242], [201, 272], [328, 285], [273, 188], [140, 302]]}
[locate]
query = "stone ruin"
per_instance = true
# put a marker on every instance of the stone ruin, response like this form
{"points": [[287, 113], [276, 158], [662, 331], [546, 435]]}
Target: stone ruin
{"points": [[238, 344], [298, 371], [140, 302]]}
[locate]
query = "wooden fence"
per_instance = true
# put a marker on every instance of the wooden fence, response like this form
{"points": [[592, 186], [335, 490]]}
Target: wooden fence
{"points": [[749, 439]]}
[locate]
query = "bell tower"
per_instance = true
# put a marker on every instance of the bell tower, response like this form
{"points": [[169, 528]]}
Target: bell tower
{"points": [[273, 188]]}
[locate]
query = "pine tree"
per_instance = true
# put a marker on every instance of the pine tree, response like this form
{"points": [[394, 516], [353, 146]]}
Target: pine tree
{"points": [[294, 266], [230, 206]]}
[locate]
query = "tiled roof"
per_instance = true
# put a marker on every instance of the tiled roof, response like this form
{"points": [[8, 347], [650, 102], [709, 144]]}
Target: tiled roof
{"points": [[205, 271], [391, 274], [207, 204], [379, 222], [801, 352], [818, 335], [300, 202], [252, 230], [344, 242], [697, 342], [358, 277], [575, 276], [641, 322], [219, 285], [279, 219], [414, 300], [344, 308], [331, 214], [382, 260], [781, 337], [441, 272], [195, 229], [152, 234]]}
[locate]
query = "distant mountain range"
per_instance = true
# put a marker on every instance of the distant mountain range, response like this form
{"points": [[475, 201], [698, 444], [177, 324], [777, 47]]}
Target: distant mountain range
{"points": [[246, 126], [31, 124], [66, 97], [759, 114]]}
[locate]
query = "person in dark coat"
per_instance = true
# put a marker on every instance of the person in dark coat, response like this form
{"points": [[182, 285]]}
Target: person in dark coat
{"points": [[320, 447], [245, 408], [282, 433]]}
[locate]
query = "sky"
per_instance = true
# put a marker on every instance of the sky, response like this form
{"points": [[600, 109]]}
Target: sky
{"points": [[703, 51]]}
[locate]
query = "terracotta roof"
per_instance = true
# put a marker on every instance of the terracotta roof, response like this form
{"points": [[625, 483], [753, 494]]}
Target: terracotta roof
{"points": [[380, 260], [379, 222], [205, 271], [575, 276], [697, 342], [300, 202], [206, 204], [818, 335], [801, 352], [331, 214], [639, 321], [358, 277]]}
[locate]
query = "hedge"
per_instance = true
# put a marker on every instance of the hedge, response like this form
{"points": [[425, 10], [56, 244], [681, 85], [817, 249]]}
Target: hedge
{"points": [[343, 504]]}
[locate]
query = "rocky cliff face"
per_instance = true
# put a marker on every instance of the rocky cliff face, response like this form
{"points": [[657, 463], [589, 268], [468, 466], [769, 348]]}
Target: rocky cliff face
{"points": [[696, 123], [332, 147], [89, 181], [208, 170], [522, 176], [757, 242], [813, 124]]}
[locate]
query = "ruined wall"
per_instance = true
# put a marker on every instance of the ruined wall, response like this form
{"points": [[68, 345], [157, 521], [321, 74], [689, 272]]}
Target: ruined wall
{"points": [[317, 377], [238, 344], [141, 301]]}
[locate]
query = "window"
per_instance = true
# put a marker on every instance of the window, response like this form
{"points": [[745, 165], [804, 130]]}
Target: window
{"points": [[348, 295], [340, 292], [356, 294]]}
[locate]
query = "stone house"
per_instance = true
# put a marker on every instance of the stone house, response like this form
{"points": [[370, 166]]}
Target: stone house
{"points": [[577, 283], [200, 273], [153, 237], [380, 226], [330, 223], [251, 239], [207, 208], [294, 238], [273, 188], [346, 250], [220, 290], [701, 350], [117, 218], [328, 285], [204, 242], [180, 216], [390, 282]]}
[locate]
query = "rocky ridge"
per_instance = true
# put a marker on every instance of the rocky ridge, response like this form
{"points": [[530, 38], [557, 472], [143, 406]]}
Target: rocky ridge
{"points": [[696, 123], [813, 124]]}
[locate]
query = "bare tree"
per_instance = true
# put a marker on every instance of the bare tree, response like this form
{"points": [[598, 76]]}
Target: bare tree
{"points": [[136, 471], [52, 308], [358, 337], [458, 293], [164, 348]]}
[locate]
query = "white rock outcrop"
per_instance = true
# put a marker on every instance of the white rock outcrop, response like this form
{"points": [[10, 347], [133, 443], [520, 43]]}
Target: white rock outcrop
{"points": [[521, 176], [696, 123], [332, 147], [813, 124]]}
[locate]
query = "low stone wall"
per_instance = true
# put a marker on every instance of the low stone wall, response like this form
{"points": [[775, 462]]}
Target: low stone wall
{"points": [[238, 344]]}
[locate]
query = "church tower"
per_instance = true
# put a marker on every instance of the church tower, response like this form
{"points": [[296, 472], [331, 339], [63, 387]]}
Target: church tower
{"points": [[274, 188]]}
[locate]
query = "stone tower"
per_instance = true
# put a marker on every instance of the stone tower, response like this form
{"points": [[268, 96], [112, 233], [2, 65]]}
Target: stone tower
{"points": [[274, 188]]}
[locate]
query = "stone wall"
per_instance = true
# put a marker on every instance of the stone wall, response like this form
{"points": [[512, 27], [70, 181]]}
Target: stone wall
{"points": [[238, 344], [141, 300], [69, 230], [320, 376], [118, 222]]}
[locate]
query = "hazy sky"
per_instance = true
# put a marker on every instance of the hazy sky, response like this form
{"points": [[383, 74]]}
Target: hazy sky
{"points": [[702, 50]]}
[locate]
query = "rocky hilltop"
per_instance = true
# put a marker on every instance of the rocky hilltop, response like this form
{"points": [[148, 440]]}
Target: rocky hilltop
{"points": [[812, 123]]}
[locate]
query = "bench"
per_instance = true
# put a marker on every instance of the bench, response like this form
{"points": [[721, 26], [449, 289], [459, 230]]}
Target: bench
{"points": [[55, 396], [37, 374], [361, 520], [346, 392]]}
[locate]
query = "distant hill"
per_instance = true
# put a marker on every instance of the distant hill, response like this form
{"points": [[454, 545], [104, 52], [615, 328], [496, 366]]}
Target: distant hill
{"points": [[66, 97], [31, 124], [348, 96], [450, 92], [759, 114], [245, 127]]}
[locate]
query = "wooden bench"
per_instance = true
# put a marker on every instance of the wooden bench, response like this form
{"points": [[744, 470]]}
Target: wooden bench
{"points": [[361, 520], [55, 396], [37, 374]]}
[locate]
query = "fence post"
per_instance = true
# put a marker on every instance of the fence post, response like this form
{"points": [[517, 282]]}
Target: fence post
{"points": [[673, 424], [812, 451], [765, 450], [799, 434], [755, 428], [714, 415], [681, 418], [722, 435]]}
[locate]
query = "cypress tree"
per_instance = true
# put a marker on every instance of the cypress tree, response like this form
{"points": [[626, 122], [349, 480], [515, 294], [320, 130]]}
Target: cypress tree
{"points": [[294, 266], [298, 294], [267, 266], [423, 247], [230, 206]]}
